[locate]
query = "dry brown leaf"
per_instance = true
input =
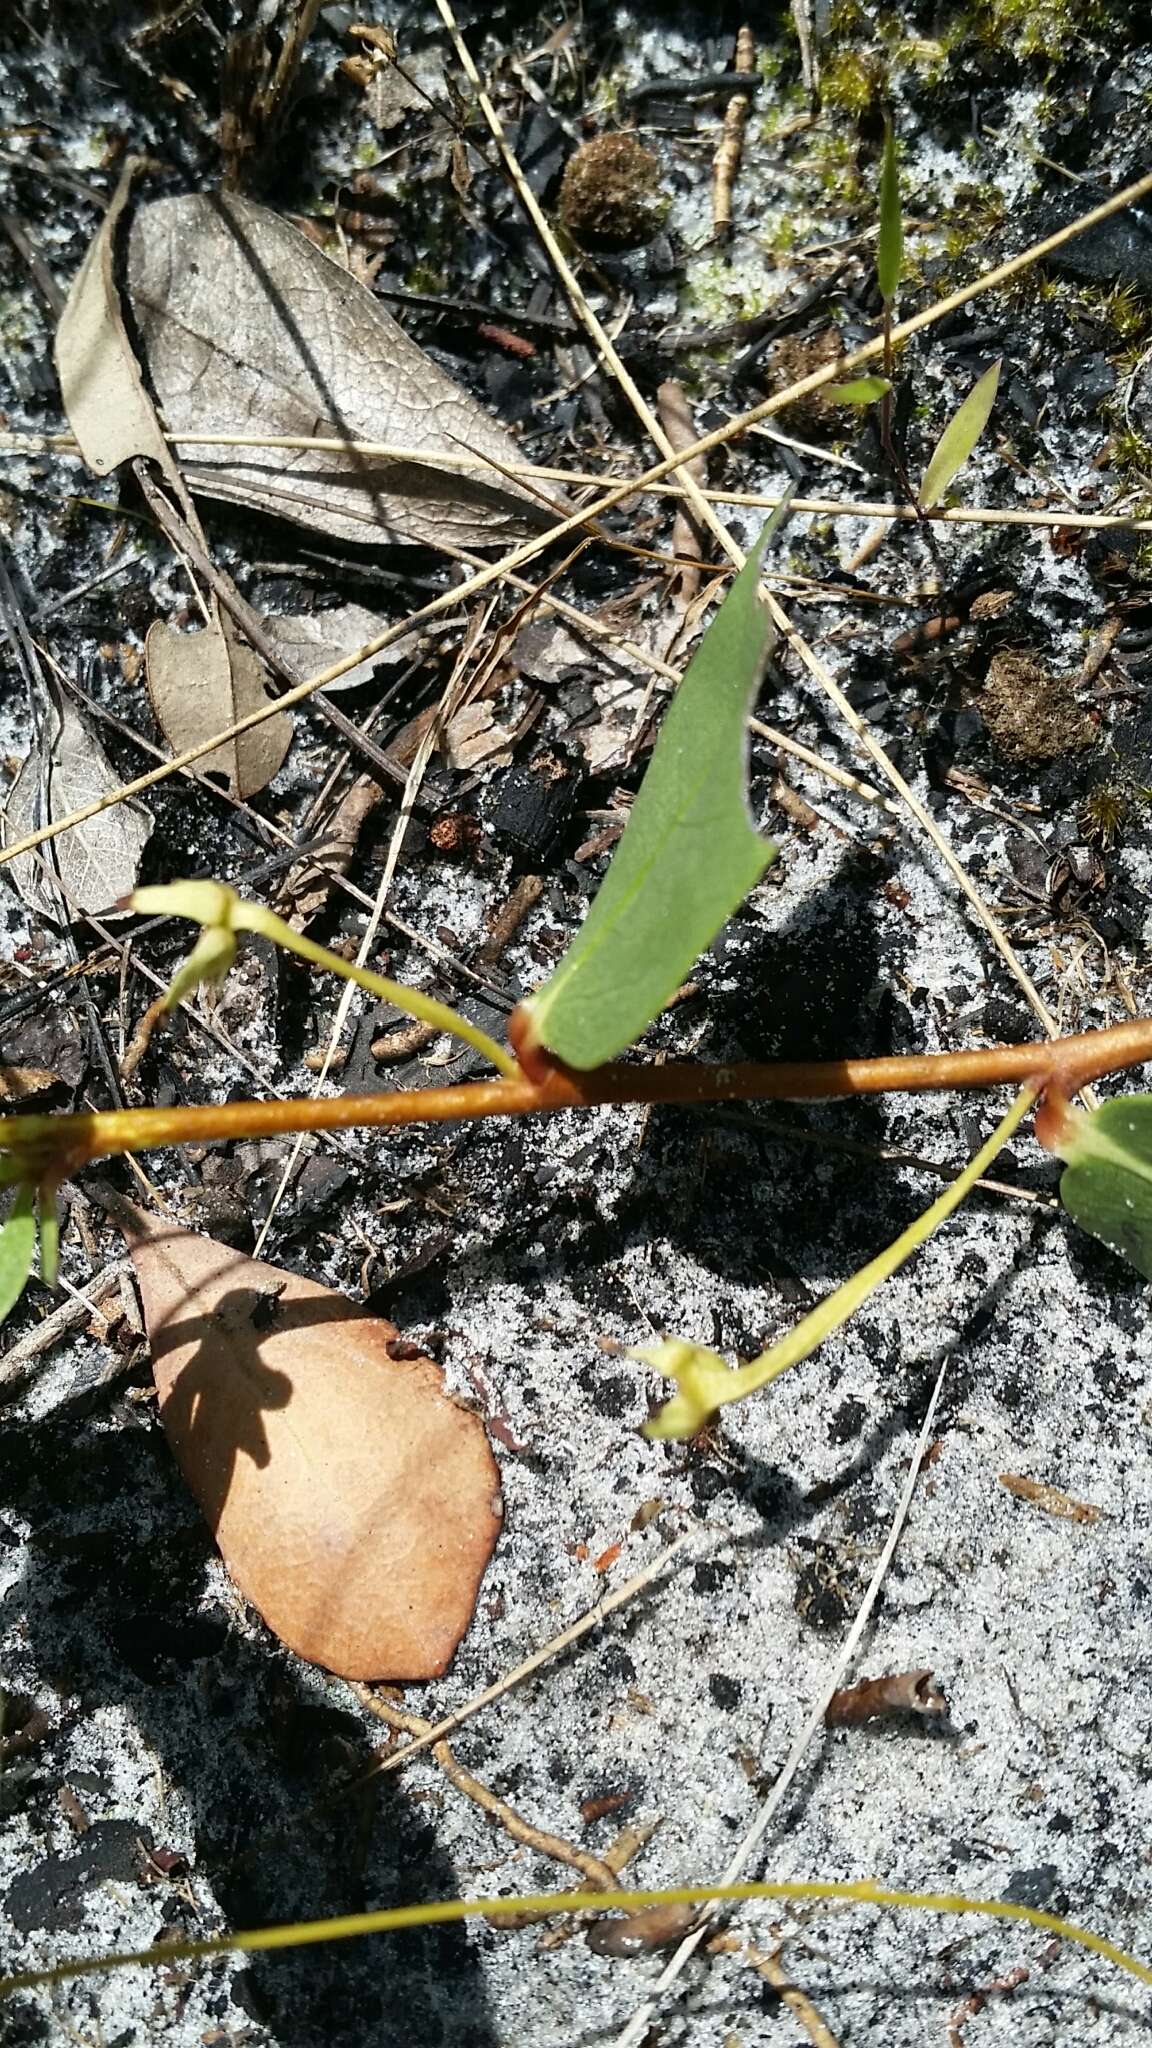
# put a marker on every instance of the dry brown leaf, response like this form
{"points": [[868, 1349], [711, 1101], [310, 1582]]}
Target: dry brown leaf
{"points": [[472, 736], [202, 682], [898, 1692], [198, 685], [1049, 1498], [248, 328], [98, 861], [355, 1503]]}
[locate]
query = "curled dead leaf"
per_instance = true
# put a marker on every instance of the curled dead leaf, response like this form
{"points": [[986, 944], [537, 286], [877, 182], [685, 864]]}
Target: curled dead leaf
{"points": [[247, 328], [355, 1503], [312, 640], [898, 1692], [108, 409], [98, 862]]}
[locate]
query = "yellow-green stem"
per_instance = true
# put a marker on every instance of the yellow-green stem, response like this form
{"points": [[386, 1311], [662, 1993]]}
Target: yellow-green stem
{"points": [[393, 1919], [704, 1383], [412, 1001]]}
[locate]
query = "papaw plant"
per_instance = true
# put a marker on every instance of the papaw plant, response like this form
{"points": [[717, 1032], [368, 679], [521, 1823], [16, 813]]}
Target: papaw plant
{"points": [[688, 857], [690, 853]]}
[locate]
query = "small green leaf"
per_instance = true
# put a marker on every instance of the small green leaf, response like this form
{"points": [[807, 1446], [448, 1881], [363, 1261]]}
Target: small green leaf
{"points": [[689, 854], [861, 391], [17, 1244], [959, 438], [1106, 1186], [890, 243]]}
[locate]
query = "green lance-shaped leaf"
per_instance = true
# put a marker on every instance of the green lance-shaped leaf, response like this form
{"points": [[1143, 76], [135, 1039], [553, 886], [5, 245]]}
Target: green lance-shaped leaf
{"points": [[1106, 1185], [17, 1244], [890, 242], [689, 854], [959, 438], [861, 391]]}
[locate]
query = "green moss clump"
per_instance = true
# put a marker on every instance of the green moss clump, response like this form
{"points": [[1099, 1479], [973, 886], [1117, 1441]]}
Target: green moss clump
{"points": [[1049, 29], [853, 82]]}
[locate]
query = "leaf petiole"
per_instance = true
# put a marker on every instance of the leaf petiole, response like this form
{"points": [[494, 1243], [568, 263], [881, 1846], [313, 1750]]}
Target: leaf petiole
{"points": [[222, 914], [704, 1383]]}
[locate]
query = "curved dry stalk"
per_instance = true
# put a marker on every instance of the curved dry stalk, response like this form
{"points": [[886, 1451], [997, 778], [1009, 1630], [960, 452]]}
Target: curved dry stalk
{"points": [[537, 472], [637, 2027]]}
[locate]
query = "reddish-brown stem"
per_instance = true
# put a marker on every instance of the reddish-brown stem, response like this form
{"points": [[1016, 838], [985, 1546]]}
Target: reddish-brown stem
{"points": [[57, 1145]]}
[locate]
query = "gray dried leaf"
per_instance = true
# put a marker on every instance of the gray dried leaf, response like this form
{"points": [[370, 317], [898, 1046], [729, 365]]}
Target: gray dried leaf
{"points": [[108, 409], [200, 683], [97, 861], [310, 641], [247, 328]]}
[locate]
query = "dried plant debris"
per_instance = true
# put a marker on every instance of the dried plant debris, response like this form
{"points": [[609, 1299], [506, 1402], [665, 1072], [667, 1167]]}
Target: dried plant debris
{"points": [[1032, 715], [108, 409], [310, 641], [201, 683], [247, 328], [610, 195], [356, 1505], [874, 1699], [1049, 1498], [97, 862], [23, 1084]]}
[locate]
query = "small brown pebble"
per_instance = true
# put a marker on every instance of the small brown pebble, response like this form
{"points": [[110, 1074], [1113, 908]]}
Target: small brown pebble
{"points": [[639, 1933], [609, 195], [72, 1810]]}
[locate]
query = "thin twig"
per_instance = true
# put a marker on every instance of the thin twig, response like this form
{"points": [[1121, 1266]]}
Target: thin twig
{"points": [[69, 1316], [505, 1816], [536, 472], [726, 163], [637, 2027], [619, 1597]]}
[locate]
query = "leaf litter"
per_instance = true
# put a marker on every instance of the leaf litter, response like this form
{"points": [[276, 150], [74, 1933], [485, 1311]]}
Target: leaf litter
{"points": [[354, 1502], [248, 328], [98, 862], [198, 684]]}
